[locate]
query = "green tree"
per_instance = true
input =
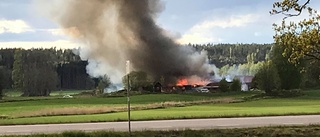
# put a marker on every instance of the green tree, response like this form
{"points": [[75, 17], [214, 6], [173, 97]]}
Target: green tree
{"points": [[299, 39], [223, 54], [311, 75], [289, 73], [104, 82], [17, 72], [224, 70], [236, 85], [137, 80], [244, 69], [268, 79], [34, 72], [255, 68], [223, 85], [2, 81], [6, 60]]}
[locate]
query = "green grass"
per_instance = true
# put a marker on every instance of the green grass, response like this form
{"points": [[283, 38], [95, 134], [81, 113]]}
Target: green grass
{"points": [[14, 93], [308, 104], [18, 107], [253, 108], [66, 92]]}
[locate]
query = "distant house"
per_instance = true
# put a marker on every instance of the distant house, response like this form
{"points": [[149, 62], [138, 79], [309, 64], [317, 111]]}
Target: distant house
{"points": [[246, 82]]}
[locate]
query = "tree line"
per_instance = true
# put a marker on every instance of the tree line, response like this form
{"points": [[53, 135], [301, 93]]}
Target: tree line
{"points": [[230, 54], [294, 59], [36, 72]]}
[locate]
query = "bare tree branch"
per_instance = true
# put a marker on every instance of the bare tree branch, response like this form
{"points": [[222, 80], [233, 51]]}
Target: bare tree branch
{"points": [[285, 12], [313, 56]]}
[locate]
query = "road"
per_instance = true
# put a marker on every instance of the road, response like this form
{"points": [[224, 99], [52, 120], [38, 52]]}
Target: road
{"points": [[165, 124]]}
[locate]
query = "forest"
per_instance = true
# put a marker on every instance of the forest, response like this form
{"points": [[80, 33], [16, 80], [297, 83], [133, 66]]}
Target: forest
{"points": [[230, 54], [62, 69]]}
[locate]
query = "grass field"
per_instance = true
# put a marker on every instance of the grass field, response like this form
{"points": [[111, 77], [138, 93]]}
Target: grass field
{"points": [[308, 104], [18, 107]]}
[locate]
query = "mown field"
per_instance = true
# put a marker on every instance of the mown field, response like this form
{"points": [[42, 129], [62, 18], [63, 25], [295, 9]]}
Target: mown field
{"points": [[154, 106]]}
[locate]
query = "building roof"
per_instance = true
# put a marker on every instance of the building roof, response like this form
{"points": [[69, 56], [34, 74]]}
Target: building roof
{"points": [[245, 79]]}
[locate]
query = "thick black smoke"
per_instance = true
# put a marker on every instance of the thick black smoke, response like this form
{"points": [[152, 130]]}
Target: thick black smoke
{"points": [[114, 31]]}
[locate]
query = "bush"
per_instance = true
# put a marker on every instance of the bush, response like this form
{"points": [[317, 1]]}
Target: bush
{"points": [[236, 85], [290, 93], [223, 85], [4, 117], [86, 93]]}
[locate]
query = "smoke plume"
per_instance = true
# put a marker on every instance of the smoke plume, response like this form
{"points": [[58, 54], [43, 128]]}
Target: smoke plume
{"points": [[114, 31]]}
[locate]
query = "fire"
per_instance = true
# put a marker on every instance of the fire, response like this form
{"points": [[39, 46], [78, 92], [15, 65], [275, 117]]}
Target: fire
{"points": [[193, 80], [182, 81]]}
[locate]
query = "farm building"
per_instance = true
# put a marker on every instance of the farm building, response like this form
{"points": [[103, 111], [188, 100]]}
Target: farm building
{"points": [[246, 82]]}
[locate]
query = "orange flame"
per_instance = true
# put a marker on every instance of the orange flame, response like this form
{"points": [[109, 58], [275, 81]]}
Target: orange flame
{"points": [[182, 82], [193, 80]]}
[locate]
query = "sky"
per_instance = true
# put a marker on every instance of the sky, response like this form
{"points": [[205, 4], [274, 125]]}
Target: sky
{"points": [[186, 21]]}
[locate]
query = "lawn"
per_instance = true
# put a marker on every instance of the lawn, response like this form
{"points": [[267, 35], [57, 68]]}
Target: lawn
{"points": [[308, 104], [17, 107], [12, 95], [59, 93]]}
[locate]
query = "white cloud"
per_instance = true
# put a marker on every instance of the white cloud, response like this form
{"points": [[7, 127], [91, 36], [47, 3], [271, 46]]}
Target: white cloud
{"points": [[14, 26], [56, 32], [233, 21], [197, 38], [59, 44], [204, 32], [73, 32]]}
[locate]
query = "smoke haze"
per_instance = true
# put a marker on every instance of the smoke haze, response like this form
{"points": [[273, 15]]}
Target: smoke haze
{"points": [[113, 31]]}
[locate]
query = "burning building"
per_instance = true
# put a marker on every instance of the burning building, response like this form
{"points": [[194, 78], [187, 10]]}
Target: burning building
{"points": [[113, 31], [246, 82]]}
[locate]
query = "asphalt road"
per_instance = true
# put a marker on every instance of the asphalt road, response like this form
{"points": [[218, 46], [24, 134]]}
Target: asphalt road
{"points": [[165, 124]]}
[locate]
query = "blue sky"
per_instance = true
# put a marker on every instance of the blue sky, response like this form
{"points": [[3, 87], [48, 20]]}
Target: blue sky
{"points": [[187, 21], [227, 21]]}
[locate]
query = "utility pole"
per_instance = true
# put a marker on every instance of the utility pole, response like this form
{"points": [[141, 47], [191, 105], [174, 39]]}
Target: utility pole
{"points": [[128, 94], [230, 52]]}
